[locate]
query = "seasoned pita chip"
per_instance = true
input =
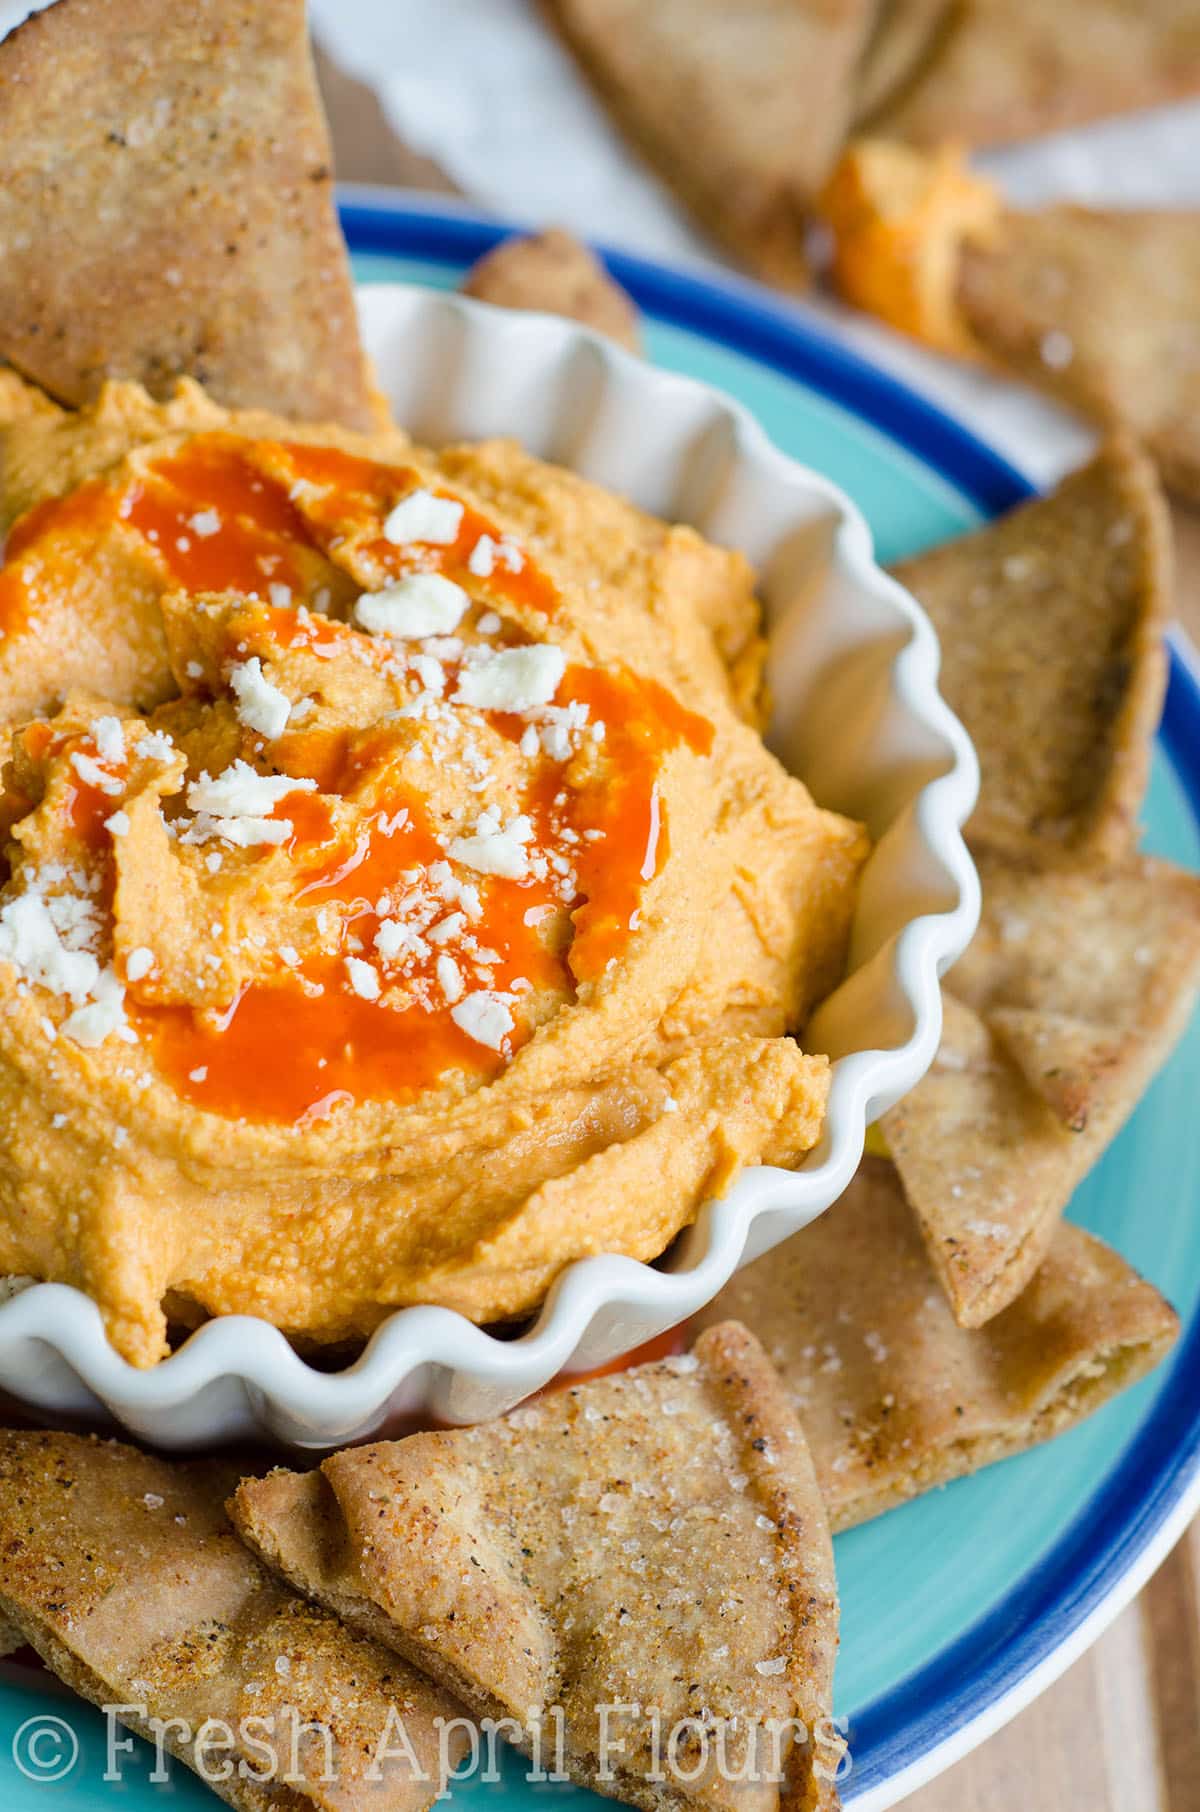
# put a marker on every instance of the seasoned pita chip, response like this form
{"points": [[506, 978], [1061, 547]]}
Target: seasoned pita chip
{"points": [[124, 1575], [556, 273], [1002, 70], [740, 108], [985, 1163], [895, 1398], [1088, 978], [166, 208], [11, 1638], [653, 1539], [1051, 621], [907, 36], [1102, 309]]}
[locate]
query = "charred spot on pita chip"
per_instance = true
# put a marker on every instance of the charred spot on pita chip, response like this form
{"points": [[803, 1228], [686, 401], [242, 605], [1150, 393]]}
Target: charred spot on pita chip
{"points": [[166, 208]]}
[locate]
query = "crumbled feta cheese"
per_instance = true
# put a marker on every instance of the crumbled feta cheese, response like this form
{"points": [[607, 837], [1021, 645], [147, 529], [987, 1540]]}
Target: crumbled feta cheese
{"points": [[423, 517], [139, 963], [280, 595], [235, 806], [449, 976], [158, 746], [482, 561], [109, 737], [91, 1024], [260, 705], [493, 849], [514, 679], [485, 1017], [117, 824], [92, 774], [422, 604], [200, 1074], [205, 523], [363, 979]]}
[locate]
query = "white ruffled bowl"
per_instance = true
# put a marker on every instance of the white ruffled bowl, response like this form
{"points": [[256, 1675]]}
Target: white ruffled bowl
{"points": [[853, 671]]}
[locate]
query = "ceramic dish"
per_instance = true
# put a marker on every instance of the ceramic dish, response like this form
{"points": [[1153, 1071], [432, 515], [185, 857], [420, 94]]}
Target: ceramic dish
{"points": [[853, 673], [958, 1608]]}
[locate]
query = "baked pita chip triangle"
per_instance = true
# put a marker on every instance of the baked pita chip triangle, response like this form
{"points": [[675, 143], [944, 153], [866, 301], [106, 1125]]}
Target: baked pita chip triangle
{"points": [[907, 35], [558, 274], [1003, 70], [894, 1396], [166, 208], [1050, 621], [740, 108], [123, 1573], [1099, 307], [1087, 977], [985, 1163], [654, 1538]]}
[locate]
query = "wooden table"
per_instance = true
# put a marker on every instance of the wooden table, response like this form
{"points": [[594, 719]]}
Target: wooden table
{"points": [[1120, 1732]]}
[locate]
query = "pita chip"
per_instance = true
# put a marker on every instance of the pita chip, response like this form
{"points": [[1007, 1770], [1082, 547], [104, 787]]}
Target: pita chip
{"points": [[741, 109], [906, 37], [1102, 309], [894, 1396], [653, 1539], [166, 208], [1088, 978], [556, 273], [1050, 621], [10, 1638], [986, 1164], [1001, 70], [123, 1573]]}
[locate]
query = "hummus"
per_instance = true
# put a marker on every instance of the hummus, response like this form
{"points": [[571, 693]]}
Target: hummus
{"points": [[401, 902]]}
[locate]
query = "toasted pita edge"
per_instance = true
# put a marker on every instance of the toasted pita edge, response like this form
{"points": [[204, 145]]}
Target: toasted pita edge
{"points": [[11, 1638]]}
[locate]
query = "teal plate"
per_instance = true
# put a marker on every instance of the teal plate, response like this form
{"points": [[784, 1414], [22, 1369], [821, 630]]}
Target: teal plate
{"points": [[957, 1608]]}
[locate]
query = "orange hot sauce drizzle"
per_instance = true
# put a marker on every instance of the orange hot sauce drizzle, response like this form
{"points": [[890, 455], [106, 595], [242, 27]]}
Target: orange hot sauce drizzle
{"points": [[352, 494], [295, 1045]]}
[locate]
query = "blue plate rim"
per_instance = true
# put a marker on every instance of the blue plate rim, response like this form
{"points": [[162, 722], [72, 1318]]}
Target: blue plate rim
{"points": [[1153, 1480]]}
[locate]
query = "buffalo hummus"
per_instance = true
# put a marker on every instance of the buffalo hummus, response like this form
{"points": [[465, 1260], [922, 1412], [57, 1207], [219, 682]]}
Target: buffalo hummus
{"points": [[400, 901]]}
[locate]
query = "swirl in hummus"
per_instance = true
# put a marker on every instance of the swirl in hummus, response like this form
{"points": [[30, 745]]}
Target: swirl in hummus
{"points": [[401, 902]]}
